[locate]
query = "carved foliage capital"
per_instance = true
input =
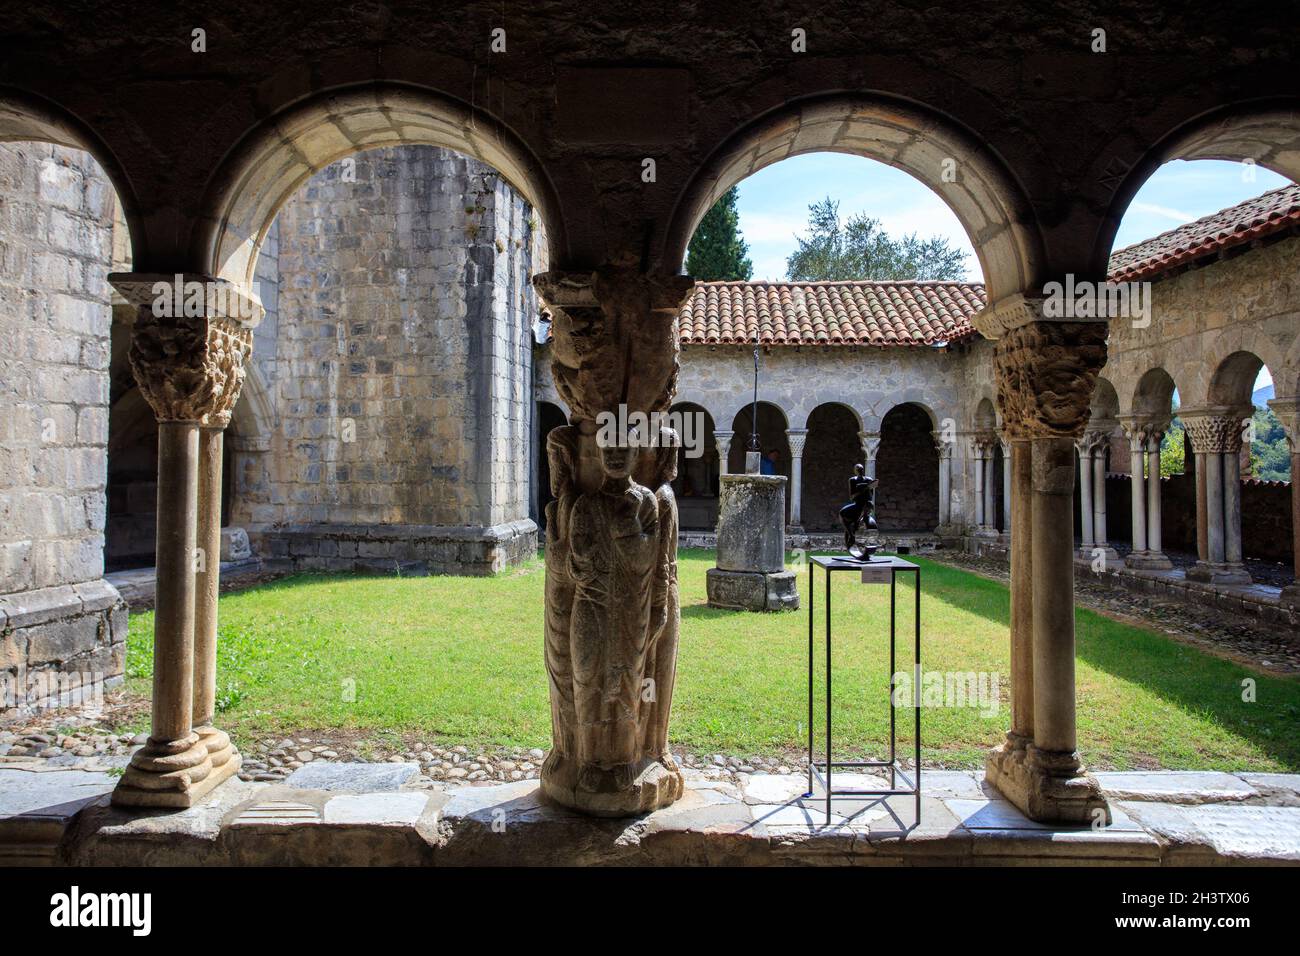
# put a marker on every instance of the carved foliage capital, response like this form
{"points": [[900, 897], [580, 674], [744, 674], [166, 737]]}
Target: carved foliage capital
{"points": [[1046, 372], [189, 368], [1214, 433]]}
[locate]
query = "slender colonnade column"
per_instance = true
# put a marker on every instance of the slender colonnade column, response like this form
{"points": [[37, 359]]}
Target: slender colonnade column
{"points": [[1046, 374], [797, 437], [723, 439], [1216, 440], [1288, 413]]}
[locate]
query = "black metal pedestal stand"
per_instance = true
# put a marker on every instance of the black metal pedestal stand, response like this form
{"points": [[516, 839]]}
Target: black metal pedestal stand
{"points": [[878, 570]]}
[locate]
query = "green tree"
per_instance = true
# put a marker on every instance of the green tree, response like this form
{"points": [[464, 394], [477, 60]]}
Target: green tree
{"points": [[860, 249], [1172, 460], [717, 251], [1270, 455]]}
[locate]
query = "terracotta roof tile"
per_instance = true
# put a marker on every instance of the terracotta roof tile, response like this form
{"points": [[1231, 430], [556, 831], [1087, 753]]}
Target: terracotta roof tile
{"points": [[830, 313], [1255, 218], [913, 313]]}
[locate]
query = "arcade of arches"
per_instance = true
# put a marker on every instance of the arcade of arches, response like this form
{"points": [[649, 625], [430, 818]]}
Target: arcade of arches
{"points": [[985, 413]]}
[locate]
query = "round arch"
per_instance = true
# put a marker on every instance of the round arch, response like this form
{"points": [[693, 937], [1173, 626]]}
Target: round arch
{"points": [[1267, 134], [992, 208], [276, 157], [857, 417], [831, 449], [907, 466], [1105, 400], [27, 118], [1153, 395]]}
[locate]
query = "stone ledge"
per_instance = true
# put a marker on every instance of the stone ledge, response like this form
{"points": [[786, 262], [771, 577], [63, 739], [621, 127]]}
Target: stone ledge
{"points": [[49, 816]]}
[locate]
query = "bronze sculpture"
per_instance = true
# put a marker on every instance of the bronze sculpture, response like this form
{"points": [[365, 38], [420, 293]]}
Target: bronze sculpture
{"points": [[859, 514]]}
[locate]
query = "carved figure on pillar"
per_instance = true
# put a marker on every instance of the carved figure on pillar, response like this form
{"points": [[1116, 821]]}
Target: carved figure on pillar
{"points": [[612, 614]]}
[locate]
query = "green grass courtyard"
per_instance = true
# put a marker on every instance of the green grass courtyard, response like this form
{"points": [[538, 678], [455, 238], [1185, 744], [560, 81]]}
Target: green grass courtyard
{"points": [[459, 660]]}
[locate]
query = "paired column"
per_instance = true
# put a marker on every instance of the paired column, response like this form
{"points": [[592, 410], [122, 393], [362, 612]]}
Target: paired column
{"points": [[985, 511], [612, 608], [1091, 449], [1046, 373], [870, 448], [190, 370], [1216, 442], [796, 437]]}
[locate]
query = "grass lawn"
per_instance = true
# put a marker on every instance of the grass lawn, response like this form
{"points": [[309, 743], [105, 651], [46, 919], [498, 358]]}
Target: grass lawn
{"points": [[460, 660]]}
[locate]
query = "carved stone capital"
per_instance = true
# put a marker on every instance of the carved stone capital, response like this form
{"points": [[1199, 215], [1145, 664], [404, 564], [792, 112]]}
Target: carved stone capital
{"points": [[1287, 411], [1046, 372], [188, 361], [870, 444], [797, 437], [613, 338], [1007, 314], [942, 445], [1094, 440], [1214, 432], [984, 442]]}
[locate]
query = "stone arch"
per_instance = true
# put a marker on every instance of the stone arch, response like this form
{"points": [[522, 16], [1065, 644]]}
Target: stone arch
{"points": [[984, 196], [857, 416], [282, 152], [772, 425], [1268, 135], [985, 417], [1105, 400], [696, 484], [831, 449], [907, 466], [1233, 380], [1153, 396], [27, 118]]}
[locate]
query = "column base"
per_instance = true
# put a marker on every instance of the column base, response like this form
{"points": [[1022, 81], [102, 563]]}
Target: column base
{"points": [[621, 791], [173, 775], [986, 531], [1229, 574], [1088, 553], [220, 748], [1046, 786], [1148, 561]]}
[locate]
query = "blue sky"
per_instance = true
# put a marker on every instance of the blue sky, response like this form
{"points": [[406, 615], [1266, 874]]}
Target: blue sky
{"points": [[774, 202]]}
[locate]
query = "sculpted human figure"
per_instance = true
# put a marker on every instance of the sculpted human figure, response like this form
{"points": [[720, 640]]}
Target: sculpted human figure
{"points": [[562, 453], [659, 466], [861, 507], [614, 538]]}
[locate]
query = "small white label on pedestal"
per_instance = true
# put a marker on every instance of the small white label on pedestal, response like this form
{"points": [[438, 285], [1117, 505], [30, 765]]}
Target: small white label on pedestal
{"points": [[879, 574]]}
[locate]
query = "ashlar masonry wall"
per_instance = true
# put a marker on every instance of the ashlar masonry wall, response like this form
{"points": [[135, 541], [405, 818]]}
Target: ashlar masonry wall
{"points": [[59, 619], [400, 382]]}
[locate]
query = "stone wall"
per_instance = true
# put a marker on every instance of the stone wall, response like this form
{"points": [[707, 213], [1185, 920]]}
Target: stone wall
{"points": [[398, 365], [57, 614]]}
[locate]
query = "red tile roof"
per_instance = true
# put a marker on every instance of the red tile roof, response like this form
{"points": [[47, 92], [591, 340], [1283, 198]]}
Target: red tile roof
{"points": [[1264, 215], [830, 313], [916, 313]]}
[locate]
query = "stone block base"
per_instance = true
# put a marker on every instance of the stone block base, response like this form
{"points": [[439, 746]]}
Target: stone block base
{"points": [[1148, 561], [401, 549], [752, 590], [1218, 574], [622, 791], [60, 646], [1048, 788], [126, 795]]}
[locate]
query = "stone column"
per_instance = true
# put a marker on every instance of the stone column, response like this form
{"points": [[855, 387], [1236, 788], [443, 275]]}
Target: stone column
{"points": [[990, 499], [1084, 450], [1216, 440], [1135, 432], [1046, 374], [612, 611], [796, 437], [1288, 413], [723, 438], [870, 447], [1155, 556], [1006, 487], [979, 485], [190, 370], [1099, 530], [945, 484]]}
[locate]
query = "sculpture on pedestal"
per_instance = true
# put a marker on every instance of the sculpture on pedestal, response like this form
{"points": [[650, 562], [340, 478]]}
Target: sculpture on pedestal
{"points": [[859, 515]]}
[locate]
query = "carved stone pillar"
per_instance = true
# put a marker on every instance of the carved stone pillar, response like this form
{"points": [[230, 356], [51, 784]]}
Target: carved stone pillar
{"points": [[1046, 372], [1288, 413], [796, 437], [190, 369], [723, 439], [612, 613], [1216, 440]]}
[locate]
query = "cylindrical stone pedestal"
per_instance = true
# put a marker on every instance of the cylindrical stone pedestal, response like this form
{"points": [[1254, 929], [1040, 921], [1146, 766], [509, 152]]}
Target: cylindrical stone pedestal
{"points": [[751, 574]]}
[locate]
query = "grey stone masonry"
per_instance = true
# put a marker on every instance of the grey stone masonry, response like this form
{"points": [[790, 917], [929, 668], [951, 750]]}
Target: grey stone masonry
{"points": [[57, 614]]}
